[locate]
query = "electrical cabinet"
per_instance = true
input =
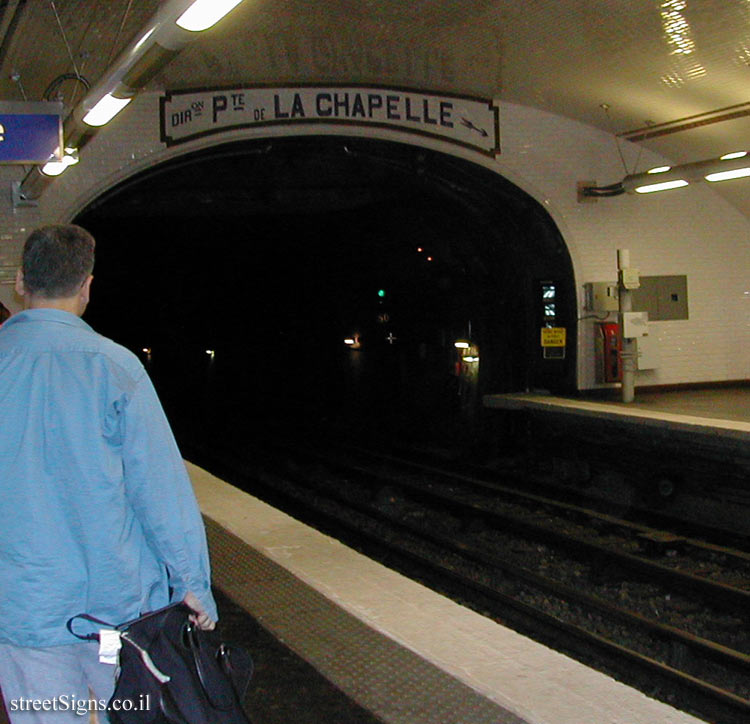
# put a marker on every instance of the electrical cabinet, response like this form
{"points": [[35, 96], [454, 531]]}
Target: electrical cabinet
{"points": [[648, 357], [601, 296], [665, 298], [634, 324]]}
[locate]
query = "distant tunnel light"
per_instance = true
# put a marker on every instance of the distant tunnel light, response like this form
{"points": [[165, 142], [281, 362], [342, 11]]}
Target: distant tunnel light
{"points": [[105, 110], [202, 14], [461, 344], [664, 186], [349, 340]]}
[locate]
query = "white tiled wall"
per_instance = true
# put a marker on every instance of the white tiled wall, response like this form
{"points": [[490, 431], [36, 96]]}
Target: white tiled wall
{"points": [[690, 231]]}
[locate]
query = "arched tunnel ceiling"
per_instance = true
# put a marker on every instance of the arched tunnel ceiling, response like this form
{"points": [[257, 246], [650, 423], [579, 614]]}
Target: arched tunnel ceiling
{"points": [[679, 62]]}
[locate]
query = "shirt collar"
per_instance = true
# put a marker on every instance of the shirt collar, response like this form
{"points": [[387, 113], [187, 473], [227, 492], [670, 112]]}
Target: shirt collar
{"points": [[46, 315]]}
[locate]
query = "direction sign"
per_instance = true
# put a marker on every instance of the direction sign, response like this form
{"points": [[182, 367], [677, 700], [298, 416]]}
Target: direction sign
{"points": [[30, 133]]}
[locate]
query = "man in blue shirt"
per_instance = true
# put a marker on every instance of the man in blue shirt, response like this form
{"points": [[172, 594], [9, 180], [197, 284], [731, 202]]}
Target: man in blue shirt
{"points": [[99, 514]]}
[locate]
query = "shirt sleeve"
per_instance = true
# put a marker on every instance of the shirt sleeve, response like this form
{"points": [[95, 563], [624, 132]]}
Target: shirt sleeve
{"points": [[161, 494]]}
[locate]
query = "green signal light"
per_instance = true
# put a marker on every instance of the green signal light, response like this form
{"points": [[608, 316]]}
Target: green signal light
{"points": [[381, 293]]}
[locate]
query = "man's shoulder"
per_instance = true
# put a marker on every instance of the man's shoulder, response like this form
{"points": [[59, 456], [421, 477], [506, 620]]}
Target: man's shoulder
{"points": [[118, 354], [59, 333]]}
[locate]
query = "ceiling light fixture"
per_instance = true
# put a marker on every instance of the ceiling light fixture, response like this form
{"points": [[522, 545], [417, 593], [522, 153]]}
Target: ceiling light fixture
{"points": [[662, 178], [55, 168], [174, 25], [202, 14], [105, 110], [726, 175], [663, 186]]}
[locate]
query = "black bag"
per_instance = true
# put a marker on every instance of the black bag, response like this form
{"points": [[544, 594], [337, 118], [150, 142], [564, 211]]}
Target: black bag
{"points": [[171, 672]]}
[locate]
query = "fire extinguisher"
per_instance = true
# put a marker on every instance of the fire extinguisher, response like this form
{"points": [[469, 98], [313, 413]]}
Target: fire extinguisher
{"points": [[611, 351]]}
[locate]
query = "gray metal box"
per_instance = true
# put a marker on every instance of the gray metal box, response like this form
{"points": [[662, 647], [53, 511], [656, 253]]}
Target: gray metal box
{"points": [[663, 297]]}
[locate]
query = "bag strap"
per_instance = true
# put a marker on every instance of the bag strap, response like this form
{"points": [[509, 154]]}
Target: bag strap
{"points": [[87, 617], [119, 626]]}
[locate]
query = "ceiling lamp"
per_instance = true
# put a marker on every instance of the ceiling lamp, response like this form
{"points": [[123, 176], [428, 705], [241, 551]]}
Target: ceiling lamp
{"points": [[105, 110], [173, 26], [202, 14], [662, 178], [55, 168], [158, 43]]}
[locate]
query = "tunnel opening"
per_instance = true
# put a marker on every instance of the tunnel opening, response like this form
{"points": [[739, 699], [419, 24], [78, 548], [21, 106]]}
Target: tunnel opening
{"points": [[359, 283]]}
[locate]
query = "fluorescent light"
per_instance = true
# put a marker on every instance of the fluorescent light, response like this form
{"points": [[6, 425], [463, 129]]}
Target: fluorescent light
{"points": [[731, 165], [726, 175], [650, 188], [105, 110], [461, 345], [203, 14], [55, 168]]}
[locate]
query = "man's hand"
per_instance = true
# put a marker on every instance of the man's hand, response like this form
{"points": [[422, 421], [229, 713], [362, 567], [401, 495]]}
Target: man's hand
{"points": [[200, 618]]}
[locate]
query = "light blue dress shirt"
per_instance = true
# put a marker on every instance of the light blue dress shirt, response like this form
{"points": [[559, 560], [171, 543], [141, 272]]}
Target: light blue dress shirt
{"points": [[98, 513]]}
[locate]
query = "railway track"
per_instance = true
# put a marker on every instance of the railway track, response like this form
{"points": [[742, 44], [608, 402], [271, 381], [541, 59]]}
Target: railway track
{"points": [[633, 600]]}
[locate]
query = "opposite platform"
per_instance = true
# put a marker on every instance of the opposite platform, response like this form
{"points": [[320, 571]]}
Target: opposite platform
{"points": [[402, 651], [718, 413]]}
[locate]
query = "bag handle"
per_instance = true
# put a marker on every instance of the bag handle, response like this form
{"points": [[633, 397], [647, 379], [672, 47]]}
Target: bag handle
{"points": [[87, 617], [119, 626]]}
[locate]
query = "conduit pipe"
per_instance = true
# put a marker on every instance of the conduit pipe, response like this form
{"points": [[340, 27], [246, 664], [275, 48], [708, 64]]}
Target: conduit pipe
{"points": [[158, 42], [628, 353]]}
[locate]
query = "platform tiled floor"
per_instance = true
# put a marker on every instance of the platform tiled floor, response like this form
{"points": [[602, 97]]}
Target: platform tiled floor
{"points": [[726, 403]]}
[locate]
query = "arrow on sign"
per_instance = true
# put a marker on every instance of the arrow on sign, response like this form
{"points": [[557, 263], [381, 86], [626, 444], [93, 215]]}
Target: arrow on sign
{"points": [[466, 122]]}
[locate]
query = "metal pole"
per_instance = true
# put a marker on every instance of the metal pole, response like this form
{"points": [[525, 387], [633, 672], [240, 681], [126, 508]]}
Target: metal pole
{"points": [[628, 353]]}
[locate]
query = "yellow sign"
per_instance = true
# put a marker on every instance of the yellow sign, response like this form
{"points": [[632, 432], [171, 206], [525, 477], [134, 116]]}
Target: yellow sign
{"points": [[553, 336]]}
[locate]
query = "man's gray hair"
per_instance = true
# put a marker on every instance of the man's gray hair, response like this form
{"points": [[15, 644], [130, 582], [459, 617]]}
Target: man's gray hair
{"points": [[57, 260]]}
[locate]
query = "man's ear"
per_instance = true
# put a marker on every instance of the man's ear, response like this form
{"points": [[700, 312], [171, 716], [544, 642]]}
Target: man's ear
{"points": [[86, 289], [19, 283]]}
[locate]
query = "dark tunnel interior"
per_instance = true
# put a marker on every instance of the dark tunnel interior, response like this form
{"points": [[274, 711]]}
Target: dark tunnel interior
{"points": [[244, 268]]}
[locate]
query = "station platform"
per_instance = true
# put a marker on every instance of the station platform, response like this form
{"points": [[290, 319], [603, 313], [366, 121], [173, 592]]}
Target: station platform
{"points": [[719, 411], [685, 451], [401, 651]]}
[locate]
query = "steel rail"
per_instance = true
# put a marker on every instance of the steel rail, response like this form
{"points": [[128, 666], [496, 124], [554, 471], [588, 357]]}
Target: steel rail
{"points": [[718, 593], [708, 698], [708, 648], [495, 486]]}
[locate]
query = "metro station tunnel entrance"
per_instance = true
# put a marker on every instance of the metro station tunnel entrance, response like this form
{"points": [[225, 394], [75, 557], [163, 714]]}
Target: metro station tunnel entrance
{"points": [[322, 280]]}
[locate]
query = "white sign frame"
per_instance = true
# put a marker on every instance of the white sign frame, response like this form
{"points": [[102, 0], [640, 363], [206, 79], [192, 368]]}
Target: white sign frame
{"points": [[468, 121]]}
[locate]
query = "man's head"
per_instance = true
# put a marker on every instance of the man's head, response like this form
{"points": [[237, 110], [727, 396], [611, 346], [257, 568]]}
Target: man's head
{"points": [[56, 268]]}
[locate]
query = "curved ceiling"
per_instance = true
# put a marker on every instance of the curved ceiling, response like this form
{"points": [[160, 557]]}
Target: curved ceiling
{"points": [[671, 73]]}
